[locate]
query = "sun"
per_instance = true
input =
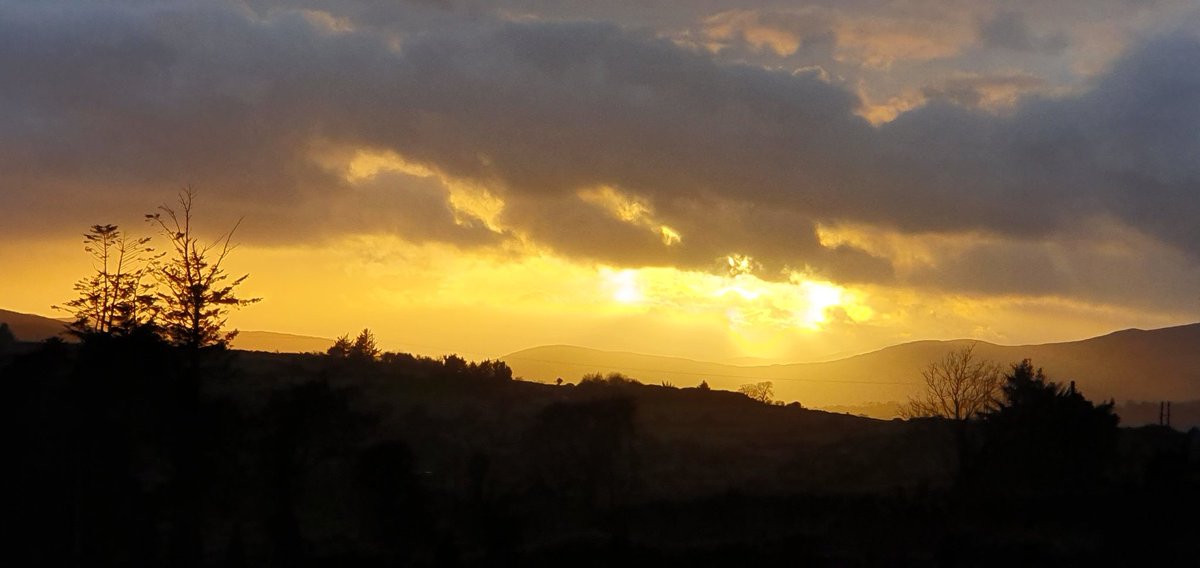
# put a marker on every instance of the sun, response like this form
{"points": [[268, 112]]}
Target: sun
{"points": [[821, 296], [750, 305]]}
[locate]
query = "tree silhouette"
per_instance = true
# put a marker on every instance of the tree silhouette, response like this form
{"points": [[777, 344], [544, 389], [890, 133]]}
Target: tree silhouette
{"points": [[763, 392], [364, 348], [340, 348], [957, 386], [115, 299], [494, 369], [1044, 436], [195, 293]]}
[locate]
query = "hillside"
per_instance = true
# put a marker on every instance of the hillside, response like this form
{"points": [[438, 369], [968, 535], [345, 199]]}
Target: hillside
{"points": [[1129, 365], [280, 342], [1161, 364], [32, 327]]}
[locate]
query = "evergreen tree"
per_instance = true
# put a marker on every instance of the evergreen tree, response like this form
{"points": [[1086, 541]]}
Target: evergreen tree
{"points": [[195, 291], [117, 298]]}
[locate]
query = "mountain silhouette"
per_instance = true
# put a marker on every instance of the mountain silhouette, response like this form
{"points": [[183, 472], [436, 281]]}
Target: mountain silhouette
{"points": [[30, 327], [1127, 365], [1133, 364]]}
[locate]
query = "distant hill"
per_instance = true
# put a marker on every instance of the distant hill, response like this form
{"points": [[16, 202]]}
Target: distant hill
{"points": [[1129, 365], [281, 342], [32, 327], [1161, 364]]}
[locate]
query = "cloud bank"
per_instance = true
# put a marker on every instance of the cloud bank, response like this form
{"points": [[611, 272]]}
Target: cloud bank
{"points": [[698, 149]]}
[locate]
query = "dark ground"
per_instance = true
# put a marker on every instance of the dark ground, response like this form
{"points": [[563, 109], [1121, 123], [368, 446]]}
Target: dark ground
{"points": [[129, 452]]}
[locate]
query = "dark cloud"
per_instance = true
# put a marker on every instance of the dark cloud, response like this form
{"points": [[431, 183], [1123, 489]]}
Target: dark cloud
{"points": [[112, 104], [975, 91], [1009, 30]]}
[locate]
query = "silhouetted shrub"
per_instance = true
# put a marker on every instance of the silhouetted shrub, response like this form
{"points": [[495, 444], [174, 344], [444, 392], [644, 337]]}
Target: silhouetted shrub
{"points": [[1045, 437], [611, 379]]}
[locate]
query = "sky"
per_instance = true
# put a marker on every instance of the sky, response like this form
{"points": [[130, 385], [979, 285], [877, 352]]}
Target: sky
{"points": [[726, 180]]}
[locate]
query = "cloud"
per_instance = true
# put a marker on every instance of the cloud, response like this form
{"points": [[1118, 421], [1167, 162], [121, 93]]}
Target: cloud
{"points": [[993, 92], [1009, 30], [111, 105]]}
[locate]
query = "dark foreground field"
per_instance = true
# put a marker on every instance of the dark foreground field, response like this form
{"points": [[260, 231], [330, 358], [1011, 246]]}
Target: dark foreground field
{"points": [[129, 452]]}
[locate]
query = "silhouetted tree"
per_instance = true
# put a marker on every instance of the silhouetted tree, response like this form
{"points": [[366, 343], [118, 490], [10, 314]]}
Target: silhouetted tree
{"points": [[453, 365], [195, 294], [115, 299], [494, 370], [1043, 436], [763, 392], [704, 386], [957, 386], [340, 348], [364, 348]]}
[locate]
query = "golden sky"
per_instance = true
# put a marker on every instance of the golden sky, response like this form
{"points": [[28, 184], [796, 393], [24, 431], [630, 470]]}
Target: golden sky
{"points": [[713, 180]]}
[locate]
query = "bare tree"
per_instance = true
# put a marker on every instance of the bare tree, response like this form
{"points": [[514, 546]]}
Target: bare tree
{"points": [[195, 292], [762, 392], [957, 386], [116, 298]]}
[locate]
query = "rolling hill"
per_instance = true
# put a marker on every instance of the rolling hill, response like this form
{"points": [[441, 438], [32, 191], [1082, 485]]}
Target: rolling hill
{"points": [[280, 342], [1150, 365], [1129, 365], [31, 327]]}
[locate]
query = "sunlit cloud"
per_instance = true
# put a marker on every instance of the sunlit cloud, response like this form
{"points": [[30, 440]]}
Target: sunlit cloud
{"points": [[630, 209]]}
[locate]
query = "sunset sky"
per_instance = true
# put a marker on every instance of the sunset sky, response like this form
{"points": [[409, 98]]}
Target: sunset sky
{"points": [[712, 179]]}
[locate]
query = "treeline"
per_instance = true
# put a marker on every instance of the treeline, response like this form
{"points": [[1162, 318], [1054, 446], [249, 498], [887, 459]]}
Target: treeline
{"points": [[363, 353]]}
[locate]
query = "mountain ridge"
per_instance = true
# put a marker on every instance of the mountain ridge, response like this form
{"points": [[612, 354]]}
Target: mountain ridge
{"points": [[1128, 364]]}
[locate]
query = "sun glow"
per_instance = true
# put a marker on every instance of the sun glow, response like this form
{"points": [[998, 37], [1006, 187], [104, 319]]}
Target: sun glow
{"points": [[623, 285], [748, 304], [821, 297]]}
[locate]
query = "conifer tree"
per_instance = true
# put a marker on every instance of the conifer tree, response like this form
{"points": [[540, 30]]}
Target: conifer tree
{"points": [[195, 290], [117, 298]]}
